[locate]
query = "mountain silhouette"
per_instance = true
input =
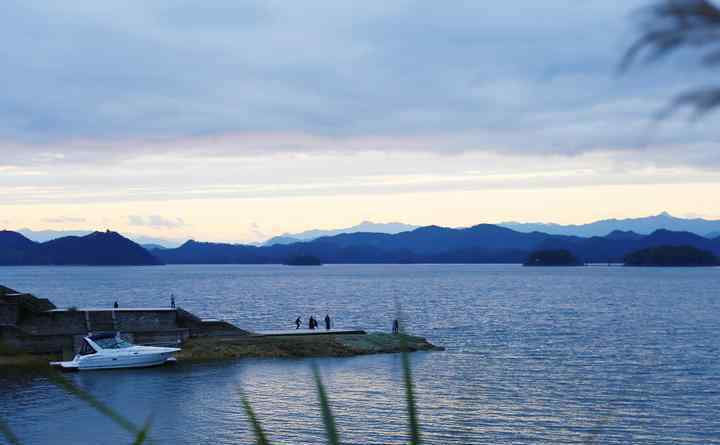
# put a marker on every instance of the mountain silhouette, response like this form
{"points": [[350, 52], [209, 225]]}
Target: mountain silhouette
{"points": [[95, 249], [484, 243], [365, 226], [643, 225], [42, 236]]}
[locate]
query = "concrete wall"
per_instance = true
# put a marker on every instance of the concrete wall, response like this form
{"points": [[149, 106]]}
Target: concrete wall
{"points": [[15, 339], [80, 322], [60, 332], [148, 320], [55, 323]]}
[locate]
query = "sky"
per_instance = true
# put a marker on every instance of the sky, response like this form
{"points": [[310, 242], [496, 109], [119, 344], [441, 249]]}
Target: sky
{"points": [[238, 120]]}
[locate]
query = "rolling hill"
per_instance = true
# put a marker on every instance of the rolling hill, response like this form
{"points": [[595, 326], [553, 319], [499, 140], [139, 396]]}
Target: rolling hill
{"points": [[484, 243], [95, 249]]}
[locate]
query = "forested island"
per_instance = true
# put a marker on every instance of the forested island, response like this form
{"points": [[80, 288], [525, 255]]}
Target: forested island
{"points": [[552, 258], [672, 256]]}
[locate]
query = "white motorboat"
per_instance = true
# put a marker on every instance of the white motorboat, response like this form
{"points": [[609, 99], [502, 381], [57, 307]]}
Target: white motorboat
{"points": [[110, 351]]}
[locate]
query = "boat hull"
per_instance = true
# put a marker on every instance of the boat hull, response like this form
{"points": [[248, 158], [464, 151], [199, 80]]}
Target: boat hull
{"points": [[132, 361], [100, 362]]}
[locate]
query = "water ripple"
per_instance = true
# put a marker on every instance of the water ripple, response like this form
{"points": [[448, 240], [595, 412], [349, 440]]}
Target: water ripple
{"points": [[541, 356]]}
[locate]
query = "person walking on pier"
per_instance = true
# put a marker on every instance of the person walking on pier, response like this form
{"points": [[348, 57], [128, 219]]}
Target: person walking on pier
{"points": [[311, 323], [298, 322], [172, 301], [396, 326], [327, 322]]}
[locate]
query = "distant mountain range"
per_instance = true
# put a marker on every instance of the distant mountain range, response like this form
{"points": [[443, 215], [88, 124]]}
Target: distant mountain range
{"points": [[644, 226], [365, 226], [484, 243], [46, 235], [95, 249]]}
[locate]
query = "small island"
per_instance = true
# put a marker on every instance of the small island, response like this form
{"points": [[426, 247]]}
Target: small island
{"points": [[672, 256], [303, 260], [552, 258]]}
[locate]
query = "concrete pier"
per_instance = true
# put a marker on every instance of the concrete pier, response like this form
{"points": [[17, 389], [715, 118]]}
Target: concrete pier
{"points": [[35, 326], [33, 330]]}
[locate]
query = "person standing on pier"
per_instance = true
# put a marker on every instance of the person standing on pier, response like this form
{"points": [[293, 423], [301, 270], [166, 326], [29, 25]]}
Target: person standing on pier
{"points": [[298, 322], [116, 305], [311, 322], [172, 301], [396, 326], [327, 322]]}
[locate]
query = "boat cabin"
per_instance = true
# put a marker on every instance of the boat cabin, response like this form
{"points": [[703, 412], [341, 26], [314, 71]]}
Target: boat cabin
{"points": [[96, 343]]}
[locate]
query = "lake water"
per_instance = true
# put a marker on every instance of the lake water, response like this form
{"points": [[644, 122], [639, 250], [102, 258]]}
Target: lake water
{"points": [[604, 355]]}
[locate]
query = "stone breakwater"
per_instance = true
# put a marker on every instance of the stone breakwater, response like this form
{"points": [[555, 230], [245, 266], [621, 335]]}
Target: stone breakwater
{"points": [[33, 331]]}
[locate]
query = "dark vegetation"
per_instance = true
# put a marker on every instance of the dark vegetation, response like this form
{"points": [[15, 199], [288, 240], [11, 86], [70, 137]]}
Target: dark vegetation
{"points": [[672, 256], [552, 258]]}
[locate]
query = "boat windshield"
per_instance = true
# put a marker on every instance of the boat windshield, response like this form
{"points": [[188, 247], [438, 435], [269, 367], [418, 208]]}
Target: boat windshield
{"points": [[86, 349], [112, 343]]}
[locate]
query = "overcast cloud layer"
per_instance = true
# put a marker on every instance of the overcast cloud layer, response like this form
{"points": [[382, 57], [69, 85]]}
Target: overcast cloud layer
{"points": [[167, 114], [87, 80]]}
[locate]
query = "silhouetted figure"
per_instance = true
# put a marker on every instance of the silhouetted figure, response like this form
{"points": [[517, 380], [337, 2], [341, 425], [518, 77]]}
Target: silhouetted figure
{"points": [[298, 322], [172, 301], [311, 322], [116, 305], [327, 322], [396, 326]]}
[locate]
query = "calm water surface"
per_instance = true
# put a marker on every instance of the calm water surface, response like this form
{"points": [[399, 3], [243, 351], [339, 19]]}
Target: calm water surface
{"points": [[534, 356]]}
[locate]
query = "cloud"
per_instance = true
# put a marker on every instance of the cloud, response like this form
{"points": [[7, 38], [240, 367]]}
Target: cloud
{"points": [[156, 221], [255, 232], [64, 220], [88, 82]]}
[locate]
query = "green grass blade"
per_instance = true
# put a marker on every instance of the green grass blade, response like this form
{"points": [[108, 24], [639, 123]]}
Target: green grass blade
{"points": [[327, 415], [414, 424], [260, 437], [99, 406], [8, 434], [143, 434], [415, 438]]}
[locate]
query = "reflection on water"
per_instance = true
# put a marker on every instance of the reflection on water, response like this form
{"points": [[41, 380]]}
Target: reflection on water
{"points": [[533, 356]]}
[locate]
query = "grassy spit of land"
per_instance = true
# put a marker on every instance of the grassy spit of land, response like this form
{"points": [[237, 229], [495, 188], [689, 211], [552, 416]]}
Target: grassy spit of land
{"points": [[243, 346], [340, 345]]}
